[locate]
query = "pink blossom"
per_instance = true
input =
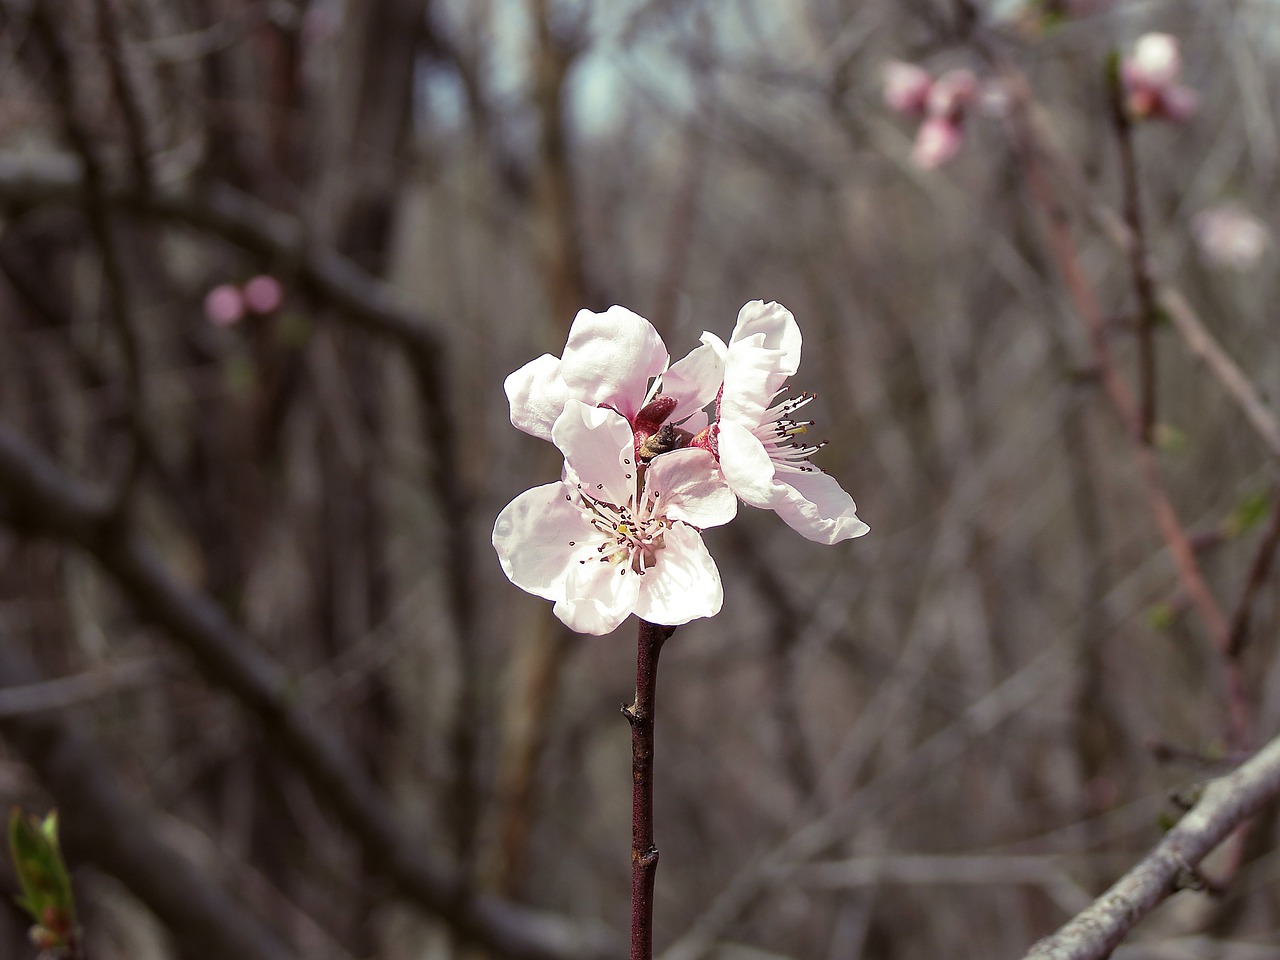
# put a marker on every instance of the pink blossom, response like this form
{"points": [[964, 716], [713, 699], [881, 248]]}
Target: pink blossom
{"points": [[937, 141], [1150, 75], [952, 94], [756, 438], [616, 360], [615, 537], [943, 103], [1229, 236], [223, 305], [263, 294], [906, 87]]}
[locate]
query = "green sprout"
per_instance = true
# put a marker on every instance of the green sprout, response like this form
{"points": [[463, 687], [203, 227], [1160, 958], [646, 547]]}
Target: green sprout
{"points": [[45, 883]]}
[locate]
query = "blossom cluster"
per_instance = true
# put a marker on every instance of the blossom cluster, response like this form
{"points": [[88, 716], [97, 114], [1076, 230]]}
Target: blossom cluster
{"points": [[647, 468]]}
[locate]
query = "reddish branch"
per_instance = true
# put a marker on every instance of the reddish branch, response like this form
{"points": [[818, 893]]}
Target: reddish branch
{"points": [[1062, 248], [1142, 284], [644, 854]]}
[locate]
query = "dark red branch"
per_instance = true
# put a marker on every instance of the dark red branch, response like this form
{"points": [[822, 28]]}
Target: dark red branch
{"points": [[644, 853]]}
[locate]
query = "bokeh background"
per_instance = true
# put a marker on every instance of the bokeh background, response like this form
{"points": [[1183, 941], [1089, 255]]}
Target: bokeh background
{"points": [[254, 642]]}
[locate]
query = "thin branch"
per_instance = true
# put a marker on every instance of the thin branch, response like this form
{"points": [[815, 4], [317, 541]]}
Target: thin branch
{"points": [[1258, 571], [1143, 287], [68, 691], [1224, 805], [97, 211]]}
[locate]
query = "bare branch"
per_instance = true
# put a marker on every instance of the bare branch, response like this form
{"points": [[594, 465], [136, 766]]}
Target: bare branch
{"points": [[1224, 805]]}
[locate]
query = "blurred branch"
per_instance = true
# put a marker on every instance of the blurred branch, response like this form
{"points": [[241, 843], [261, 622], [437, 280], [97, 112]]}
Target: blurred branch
{"points": [[359, 297], [949, 869], [97, 210], [1224, 805], [1143, 287], [43, 501], [68, 691], [1063, 250], [1258, 571], [1197, 337], [104, 826]]}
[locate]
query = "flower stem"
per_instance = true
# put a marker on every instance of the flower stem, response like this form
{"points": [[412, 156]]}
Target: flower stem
{"points": [[644, 854]]}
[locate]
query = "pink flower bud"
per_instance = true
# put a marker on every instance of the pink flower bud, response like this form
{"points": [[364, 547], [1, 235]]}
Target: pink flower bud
{"points": [[263, 294], [952, 93], [1150, 77], [906, 87], [223, 305], [937, 141]]}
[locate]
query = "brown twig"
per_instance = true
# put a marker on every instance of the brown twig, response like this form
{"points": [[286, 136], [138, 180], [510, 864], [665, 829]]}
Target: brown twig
{"points": [[1258, 571], [644, 854], [1143, 287]]}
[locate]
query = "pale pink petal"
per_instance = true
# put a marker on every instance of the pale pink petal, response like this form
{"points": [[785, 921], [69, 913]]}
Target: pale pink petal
{"points": [[695, 422], [537, 394], [906, 87], [751, 378], [598, 448], [813, 504], [598, 596], [688, 486], [1156, 61], [263, 294], [746, 464], [937, 141], [954, 91], [1179, 103], [780, 330], [694, 381], [610, 358], [532, 538], [684, 584], [223, 305]]}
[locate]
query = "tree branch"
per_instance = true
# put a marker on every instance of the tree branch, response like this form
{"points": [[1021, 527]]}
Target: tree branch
{"points": [[1224, 805]]}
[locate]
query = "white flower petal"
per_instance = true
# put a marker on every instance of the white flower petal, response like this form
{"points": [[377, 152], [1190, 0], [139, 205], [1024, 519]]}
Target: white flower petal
{"points": [[610, 358], [599, 449], [532, 538], [683, 584], [695, 380], [537, 394], [752, 376], [746, 465], [780, 330], [815, 505], [691, 488], [598, 596]]}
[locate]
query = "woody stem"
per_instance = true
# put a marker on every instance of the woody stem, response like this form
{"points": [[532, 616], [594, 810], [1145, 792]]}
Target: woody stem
{"points": [[644, 854]]}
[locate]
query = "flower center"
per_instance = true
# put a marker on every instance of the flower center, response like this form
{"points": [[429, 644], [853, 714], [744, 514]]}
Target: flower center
{"points": [[780, 433], [632, 537]]}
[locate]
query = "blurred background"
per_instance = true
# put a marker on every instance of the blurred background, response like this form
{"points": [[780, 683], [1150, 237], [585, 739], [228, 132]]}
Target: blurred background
{"points": [[263, 269]]}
